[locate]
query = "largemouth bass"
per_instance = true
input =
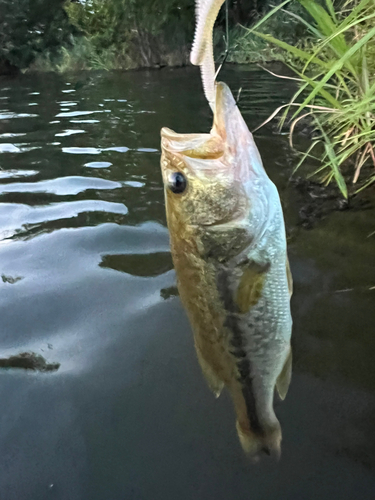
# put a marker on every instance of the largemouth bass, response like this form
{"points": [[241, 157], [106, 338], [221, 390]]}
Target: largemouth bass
{"points": [[228, 246]]}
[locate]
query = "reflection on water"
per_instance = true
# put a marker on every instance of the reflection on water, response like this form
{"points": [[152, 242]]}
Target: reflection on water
{"points": [[29, 361], [62, 186], [128, 415], [98, 164], [152, 264], [10, 279], [14, 174]]}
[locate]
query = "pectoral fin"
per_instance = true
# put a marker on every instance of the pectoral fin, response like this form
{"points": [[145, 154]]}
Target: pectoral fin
{"points": [[283, 380], [250, 287]]}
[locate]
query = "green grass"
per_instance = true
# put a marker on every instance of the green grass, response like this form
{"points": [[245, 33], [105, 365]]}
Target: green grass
{"points": [[336, 75], [79, 55], [245, 47]]}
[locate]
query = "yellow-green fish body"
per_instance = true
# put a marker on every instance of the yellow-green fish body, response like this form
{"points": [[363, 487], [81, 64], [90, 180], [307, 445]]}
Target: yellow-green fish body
{"points": [[229, 250]]}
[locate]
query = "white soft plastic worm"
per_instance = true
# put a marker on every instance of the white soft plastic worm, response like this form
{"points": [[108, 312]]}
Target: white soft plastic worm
{"points": [[202, 53]]}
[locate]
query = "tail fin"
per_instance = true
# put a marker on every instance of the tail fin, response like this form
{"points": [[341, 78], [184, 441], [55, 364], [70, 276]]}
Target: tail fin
{"points": [[258, 431], [268, 442]]}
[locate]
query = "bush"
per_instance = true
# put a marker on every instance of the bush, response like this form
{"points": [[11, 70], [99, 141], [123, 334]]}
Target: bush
{"points": [[29, 27], [134, 32]]}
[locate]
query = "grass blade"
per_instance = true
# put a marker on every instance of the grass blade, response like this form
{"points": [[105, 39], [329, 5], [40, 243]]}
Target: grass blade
{"points": [[333, 162], [336, 67], [300, 54]]}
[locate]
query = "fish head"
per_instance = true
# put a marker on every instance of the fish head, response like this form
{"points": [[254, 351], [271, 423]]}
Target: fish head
{"points": [[205, 175]]}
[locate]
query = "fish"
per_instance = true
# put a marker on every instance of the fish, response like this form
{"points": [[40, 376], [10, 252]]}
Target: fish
{"points": [[228, 245]]}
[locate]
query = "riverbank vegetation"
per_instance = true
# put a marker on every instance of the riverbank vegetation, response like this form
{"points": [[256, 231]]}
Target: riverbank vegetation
{"points": [[30, 28], [124, 34], [335, 71], [61, 35]]}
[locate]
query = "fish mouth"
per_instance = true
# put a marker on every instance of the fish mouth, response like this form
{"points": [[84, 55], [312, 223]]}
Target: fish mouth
{"points": [[200, 146], [225, 108], [204, 146]]}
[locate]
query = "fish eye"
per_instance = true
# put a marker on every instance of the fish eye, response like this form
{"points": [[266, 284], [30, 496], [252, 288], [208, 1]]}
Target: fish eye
{"points": [[177, 182]]}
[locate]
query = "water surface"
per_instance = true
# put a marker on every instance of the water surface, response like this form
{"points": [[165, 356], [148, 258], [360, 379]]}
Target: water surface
{"points": [[86, 280]]}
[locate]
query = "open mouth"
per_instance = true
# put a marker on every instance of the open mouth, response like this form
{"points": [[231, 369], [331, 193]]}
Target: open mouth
{"points": [[203, 146], [200, 146]]}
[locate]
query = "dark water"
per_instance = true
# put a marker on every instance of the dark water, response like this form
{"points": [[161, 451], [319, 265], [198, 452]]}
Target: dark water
{"points": [[86, 273]]}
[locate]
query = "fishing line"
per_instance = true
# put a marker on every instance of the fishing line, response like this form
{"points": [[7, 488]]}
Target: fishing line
{"points": [[226, 38]]}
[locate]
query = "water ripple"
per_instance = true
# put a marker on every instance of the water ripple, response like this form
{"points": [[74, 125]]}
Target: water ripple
{"points": [[76, 113], [60, 186], [69, 132], [98, 164], [135, 184], [17, 148], [13, 174], [118, 149], [84, 121], [9, 116], [14, 215], [68, 103], [9, 148], [6, 135], [148, 150], [81, 151]]}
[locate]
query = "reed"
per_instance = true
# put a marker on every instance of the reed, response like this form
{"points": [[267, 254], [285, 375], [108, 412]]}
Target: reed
{"points": [[336, 88]]}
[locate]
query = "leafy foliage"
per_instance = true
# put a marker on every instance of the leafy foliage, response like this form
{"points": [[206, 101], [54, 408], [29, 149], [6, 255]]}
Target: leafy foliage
{"points": [[132, 29], [28, 27], [246, 47]]}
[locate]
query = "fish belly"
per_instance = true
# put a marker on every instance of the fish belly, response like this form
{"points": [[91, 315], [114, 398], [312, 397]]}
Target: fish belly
{"points": [[244, 350], [199, 295]]}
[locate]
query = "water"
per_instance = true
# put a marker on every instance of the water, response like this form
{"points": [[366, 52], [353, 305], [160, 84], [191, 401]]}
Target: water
{"points": [[87, 281]]}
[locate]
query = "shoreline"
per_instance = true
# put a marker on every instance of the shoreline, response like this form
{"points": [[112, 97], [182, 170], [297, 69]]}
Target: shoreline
{"points": [[16, 72]]}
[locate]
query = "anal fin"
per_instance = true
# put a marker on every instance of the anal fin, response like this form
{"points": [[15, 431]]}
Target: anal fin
{"points": [[283, 380], [255, 445]]}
